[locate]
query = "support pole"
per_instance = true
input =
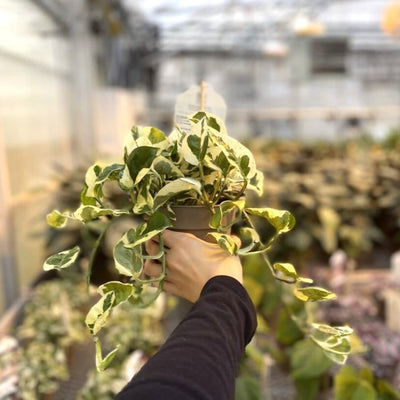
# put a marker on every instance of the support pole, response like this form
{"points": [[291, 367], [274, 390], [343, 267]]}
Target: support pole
{"points": [[83, 143], [9, 276]]}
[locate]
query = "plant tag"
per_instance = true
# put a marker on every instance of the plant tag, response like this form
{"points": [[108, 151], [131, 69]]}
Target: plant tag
{"points": [[201, 97]]}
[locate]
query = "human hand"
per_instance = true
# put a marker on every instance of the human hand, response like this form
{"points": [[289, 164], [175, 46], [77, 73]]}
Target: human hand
{"points": [[191, 262]]}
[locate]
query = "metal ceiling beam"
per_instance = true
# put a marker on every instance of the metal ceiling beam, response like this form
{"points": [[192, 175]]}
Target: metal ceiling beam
{"points": [[59, 15]]}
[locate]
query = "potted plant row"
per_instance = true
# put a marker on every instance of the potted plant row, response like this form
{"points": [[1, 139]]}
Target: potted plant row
{"points": [[206, 171]]}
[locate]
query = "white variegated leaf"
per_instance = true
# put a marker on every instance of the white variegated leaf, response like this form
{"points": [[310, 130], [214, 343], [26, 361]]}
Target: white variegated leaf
{"points": [[126, 181], [174, 188], [97, 316], [61, 260]]}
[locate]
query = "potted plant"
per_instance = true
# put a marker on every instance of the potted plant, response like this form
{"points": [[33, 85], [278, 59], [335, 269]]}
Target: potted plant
{"points": [[206, 171]]}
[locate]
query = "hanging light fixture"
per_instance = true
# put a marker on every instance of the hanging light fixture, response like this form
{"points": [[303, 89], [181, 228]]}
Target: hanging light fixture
{"points": [[391, 19], [303, 25]]}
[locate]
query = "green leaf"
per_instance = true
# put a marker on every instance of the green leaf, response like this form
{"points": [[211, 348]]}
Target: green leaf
{"points": [[307, 360], [97, 316], [93, 189], [125, 180], [139, 158], [287, 331], [156, 136], [165, 167], [144, 201], [57, 219], [225, 210], [122, 291], [349, 385], [62, 259], [194, 143], [85, 199], [244, 165], [287, 270], [307, 389], [249, 238], [110, 172], [256, 183], [128, 261], [281, 220], [387, 391], [175, 188], [313, 293], [87, 213], [190, 149], [103, 363], [156, 223], [225, 242], [247, 388], [204, 147], [334, 341]]}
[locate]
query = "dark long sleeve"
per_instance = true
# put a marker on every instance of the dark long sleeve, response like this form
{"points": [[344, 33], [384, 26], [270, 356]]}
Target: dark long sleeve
{"points": [[200, 359]]}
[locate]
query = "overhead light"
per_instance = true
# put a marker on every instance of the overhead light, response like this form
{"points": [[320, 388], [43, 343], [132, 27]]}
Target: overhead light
{"points": [[303, 26], [391, 19], [275, 48]]}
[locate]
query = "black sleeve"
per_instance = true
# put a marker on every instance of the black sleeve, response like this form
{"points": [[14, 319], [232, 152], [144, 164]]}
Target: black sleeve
{"points": [[200, 359]]}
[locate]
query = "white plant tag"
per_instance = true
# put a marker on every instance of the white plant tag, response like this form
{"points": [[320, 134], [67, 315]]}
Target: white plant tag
{"points": [[201, 97]]}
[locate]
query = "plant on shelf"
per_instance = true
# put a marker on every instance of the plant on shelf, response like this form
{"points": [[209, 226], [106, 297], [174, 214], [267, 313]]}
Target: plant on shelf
{"points": [[204, 170]]}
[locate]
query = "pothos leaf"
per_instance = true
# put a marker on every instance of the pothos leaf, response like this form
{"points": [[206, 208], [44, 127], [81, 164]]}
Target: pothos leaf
{"points": [[92, 173], [249, 238], [281, 220], [110, 172], [313, 293], [122, 291], [156, 223], [174, 188], [87, 213], [57, 219], [225, 242], [128, 261], [99, 313], [62, 259], [225, 209], [85, 199], [139, 158], [288, 271]]}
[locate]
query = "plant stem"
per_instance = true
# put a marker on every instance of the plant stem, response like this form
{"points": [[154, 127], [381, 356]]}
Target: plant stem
{"points": [[161, 277], [263, 252], [94, 252]]}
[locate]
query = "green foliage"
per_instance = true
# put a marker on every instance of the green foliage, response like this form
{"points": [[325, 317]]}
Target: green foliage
{"points": [[344, 195], [351, 384], [247, 388], [53, 321], [201, 167], [41, 366]]}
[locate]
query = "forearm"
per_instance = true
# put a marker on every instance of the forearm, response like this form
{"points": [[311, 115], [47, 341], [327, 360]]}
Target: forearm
{"points": [[201, 357]]}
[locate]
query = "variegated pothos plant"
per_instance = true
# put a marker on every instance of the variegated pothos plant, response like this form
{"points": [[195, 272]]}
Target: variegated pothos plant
{"points": [[206, 167]]}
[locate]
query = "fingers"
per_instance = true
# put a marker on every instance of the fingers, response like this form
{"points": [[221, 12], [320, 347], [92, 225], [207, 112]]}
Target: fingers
{"points": [[237, 240], [152, 268], [174, 238], [152, 247]]}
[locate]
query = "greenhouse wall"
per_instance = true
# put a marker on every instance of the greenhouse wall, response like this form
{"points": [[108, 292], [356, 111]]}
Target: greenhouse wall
{"points": [[35, 125]]}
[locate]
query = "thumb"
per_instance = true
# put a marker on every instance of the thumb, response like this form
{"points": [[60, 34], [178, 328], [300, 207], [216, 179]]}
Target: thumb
{"points": [[237, 240]]}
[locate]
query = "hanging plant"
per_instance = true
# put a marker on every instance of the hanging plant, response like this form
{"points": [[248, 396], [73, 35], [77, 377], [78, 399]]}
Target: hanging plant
{"points": [[205, 169]]}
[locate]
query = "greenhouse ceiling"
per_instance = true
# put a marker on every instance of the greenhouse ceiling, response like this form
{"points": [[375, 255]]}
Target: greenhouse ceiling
{"points": [[254, 24]]}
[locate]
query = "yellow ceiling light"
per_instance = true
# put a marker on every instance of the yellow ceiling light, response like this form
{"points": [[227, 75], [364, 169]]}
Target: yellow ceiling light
{"points": [[304, 26], [391, 19]]}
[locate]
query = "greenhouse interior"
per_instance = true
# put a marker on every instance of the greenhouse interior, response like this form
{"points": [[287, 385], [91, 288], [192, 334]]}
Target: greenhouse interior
{"points": [[115, 115]]}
